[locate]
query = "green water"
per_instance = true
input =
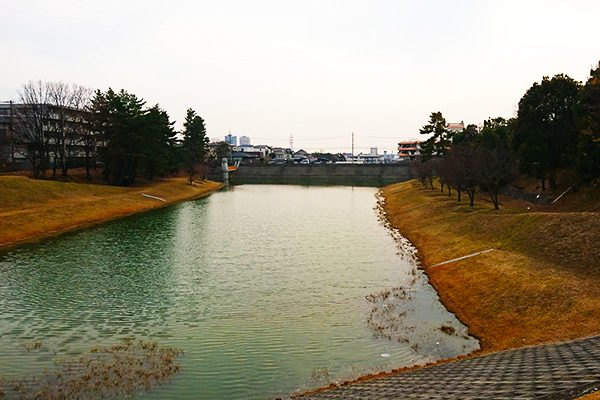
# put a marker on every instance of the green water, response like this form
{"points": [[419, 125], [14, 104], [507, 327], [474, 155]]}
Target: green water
{"points": [[266, 288]]}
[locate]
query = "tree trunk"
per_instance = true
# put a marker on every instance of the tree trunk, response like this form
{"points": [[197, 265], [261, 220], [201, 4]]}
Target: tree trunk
{"points": [[552, 181], [471, 194], [494, 196], [34, 167], [87, 165], [54, 166], [64, 168], [459, 191]]}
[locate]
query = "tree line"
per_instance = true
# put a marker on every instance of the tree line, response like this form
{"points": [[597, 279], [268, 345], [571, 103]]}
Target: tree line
{"points": [[74, 126], [557, 127]]}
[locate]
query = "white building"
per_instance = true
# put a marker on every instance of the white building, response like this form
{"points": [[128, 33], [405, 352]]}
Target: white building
{"points": [[258, 151], [281, 153], [369, 158], [390, 158], [245, 141]]}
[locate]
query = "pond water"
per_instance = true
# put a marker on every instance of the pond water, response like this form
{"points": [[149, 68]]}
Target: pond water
{"points": [[267, 289]]}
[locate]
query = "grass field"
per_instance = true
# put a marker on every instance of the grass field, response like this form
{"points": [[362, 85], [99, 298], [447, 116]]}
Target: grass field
{"points": [[33, 209], [539, 285]]}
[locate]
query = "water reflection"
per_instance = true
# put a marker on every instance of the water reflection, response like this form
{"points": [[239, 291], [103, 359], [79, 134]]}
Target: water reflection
{"points": [[266, 288]]}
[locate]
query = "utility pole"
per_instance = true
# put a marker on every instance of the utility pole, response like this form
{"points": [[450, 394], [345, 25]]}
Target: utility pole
{"points": [[352, 147], [11, 136]]}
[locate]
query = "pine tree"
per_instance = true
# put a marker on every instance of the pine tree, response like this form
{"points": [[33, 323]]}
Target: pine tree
{"points": [[194, 143], [438, 144]]}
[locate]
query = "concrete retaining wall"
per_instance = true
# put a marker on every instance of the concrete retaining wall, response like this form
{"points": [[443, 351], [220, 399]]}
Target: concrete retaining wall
{"points": [[324, 174]]}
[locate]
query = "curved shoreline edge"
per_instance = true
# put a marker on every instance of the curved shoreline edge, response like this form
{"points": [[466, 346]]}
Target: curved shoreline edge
{"points": [[75, 206], [521, 295]]}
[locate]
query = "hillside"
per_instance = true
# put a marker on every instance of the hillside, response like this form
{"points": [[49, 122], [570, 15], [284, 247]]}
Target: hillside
{"points": [[32, 209], [539, 285]]}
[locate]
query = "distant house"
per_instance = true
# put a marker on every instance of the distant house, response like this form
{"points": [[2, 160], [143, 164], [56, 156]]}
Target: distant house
{"points": [[409, 150], [260, 152], [280, 153], [301, 154], [264, 149], [390, 158], [456, 126], [213, 146], [368, 158]]}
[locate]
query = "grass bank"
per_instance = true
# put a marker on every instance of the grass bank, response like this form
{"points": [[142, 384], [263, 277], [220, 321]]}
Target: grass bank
{"points": [[33, 209], [539, 285]]}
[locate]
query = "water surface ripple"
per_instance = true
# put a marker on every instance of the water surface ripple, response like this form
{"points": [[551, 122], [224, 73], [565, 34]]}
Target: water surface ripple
{"points": [[268, 289]]}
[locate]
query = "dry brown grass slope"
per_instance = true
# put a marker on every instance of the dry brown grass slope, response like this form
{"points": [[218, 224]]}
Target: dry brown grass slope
{"points": [[33, 209], [540, 285]]}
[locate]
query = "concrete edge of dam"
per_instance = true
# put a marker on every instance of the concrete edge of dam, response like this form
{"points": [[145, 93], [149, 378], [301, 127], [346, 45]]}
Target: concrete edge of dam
{"points": [[320, 174]]}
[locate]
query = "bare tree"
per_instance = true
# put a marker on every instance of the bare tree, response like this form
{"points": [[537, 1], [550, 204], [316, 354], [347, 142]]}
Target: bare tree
{"points": [[453, 170], [497, 168], [60, 99], [437, 169], [472, 162], [463, 165], [419, 170], [84, 138], [424, 172], [69, 103], [32, 118]]}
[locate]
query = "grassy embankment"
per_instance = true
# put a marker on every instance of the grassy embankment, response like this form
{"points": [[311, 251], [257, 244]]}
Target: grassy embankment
{"points": [[33, 209], [540, 284]]}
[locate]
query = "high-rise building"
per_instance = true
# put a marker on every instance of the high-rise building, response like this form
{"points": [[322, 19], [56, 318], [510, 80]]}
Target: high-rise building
{"points": [[232, 140], [245, 141]]}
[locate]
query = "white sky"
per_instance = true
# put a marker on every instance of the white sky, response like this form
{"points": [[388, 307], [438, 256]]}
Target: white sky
{"points": [[316, 69]]}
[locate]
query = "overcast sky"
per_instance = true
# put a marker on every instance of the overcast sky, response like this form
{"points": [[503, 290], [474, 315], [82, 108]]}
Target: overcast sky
{"points": [[316, 69]]}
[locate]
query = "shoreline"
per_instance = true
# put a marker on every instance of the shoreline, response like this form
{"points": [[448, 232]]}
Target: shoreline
{"points": [[430, 230], [81, 205], [523, 276]]}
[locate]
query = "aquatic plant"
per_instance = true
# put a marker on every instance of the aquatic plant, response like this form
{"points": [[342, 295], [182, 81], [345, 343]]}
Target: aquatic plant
{"points": [[119, 370], [387, 316], [320, 374], [447, 329], [34, 345]]}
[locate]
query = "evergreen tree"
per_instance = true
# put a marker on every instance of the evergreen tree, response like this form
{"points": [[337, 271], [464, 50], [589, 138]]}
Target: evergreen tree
{"points": [[119, 119], [588, 150], [468, 135], [194, 143], [160, 139], [438, 144], [545, 133]]}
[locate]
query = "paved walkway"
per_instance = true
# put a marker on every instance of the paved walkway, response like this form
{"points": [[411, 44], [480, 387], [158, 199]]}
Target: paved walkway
{"points": [[557, 371]]}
